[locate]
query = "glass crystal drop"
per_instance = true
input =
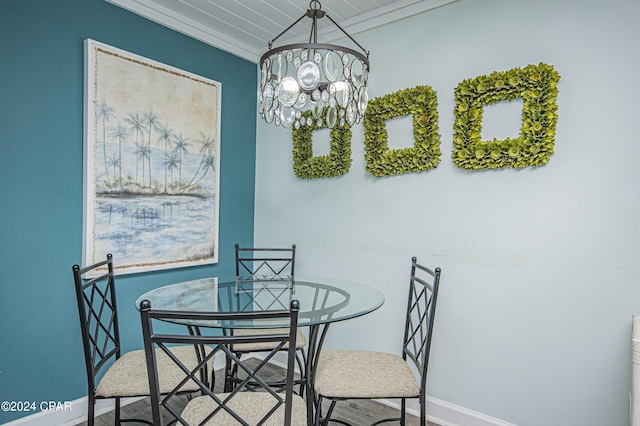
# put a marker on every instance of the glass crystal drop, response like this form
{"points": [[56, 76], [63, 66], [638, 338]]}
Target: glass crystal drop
{"points": [[357, 73], [287, 116], [288, 91], [351, 113], [279, 67], [342, 96], [264, 72], [316, 110], [308, 75], [301, 103], [268, 116], [332, 117], [363, 100], [267, 96], [340, 90], [332, 66]]}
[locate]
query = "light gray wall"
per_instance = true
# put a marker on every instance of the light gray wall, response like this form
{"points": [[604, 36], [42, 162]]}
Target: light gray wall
{"points": [[540, 266]]}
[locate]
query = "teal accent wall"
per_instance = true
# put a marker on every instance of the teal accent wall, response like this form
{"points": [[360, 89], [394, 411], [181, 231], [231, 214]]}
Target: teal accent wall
{"points": [[41, 145]]}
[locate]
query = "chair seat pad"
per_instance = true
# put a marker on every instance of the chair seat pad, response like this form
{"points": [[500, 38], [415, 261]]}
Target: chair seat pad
{"points": [[250, 406], [128, 375], [364, 374], [301, 339]]}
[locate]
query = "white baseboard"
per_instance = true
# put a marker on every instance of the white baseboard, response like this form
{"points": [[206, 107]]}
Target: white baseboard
{"points": [[447, 414]]}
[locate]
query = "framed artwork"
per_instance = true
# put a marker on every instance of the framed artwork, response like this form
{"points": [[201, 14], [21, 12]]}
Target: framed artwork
{"points": [[151, 163]]}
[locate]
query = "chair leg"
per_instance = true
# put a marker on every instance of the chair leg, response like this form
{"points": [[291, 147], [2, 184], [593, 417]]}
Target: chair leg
{"points": [[117, 412], [403, 406], [91, 406], [329, 411], [301, 364], [423, 408]]}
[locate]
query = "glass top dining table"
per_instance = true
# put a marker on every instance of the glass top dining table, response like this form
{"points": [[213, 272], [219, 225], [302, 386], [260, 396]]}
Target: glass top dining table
{"points": [[322, 300]]}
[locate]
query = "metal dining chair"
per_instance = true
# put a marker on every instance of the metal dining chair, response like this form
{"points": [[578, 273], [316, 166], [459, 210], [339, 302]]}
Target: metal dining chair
{"points": [[264, 270], [358, 374], [244, 405], [125, 375]]}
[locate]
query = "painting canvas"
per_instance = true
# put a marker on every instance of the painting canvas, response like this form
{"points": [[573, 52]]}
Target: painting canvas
{"points": [[151, 163]]}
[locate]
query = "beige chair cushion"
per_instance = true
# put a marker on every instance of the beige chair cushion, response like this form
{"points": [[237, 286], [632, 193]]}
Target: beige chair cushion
{"points": [[364, 374], [128, 375], [251, 406], [301, 340]]}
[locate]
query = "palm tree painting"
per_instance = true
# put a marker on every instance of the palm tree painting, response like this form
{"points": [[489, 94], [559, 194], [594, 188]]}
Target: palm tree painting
{"points": [[152, 157]]}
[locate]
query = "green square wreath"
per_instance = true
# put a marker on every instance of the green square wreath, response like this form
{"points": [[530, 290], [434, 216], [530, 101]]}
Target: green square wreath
{"points": [[537, 86], [336, 163], [422, 103]]}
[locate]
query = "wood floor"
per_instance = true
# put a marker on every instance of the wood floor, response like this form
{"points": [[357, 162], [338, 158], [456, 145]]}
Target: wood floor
{"points": [[355, 412]]}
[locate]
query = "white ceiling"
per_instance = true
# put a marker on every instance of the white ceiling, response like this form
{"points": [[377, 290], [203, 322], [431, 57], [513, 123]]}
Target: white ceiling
{"points": [[243, 27]]}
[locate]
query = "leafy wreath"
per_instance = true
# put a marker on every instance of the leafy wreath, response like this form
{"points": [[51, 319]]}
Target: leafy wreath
{"points": [[537, 86], [336, 163], [422, 103]]}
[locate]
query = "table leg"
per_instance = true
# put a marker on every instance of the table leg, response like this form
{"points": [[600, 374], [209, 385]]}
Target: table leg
{"points": [[201, 353], [228, 374], [317, 334]]}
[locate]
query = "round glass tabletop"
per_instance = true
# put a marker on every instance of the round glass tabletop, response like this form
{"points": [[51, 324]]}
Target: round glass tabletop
{"points": [[322, 300]]}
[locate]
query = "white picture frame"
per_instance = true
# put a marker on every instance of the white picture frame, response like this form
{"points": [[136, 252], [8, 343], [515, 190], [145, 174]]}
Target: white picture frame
{"points": [[151, 163]]}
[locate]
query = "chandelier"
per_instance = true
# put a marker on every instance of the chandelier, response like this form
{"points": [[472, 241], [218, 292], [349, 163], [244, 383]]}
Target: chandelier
{"points": [[306, 83]]}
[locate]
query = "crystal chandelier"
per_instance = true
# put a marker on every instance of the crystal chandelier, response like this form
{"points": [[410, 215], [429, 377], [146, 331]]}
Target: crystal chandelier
{"points": [[327, 80]]}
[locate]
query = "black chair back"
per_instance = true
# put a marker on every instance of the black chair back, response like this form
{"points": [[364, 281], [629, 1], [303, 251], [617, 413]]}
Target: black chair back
{"points": [[421, 310], [222, 408], [261, 267], [255, 261], [96, 296]]}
